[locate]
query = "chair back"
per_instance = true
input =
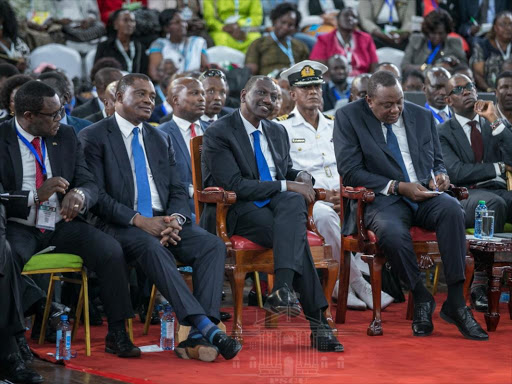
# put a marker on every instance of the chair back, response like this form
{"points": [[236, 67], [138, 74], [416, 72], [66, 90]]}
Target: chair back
{"points": [[196, 147], [220, 54], [65, 58]]}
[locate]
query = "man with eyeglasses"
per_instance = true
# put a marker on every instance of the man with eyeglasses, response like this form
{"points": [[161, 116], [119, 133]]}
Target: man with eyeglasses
{"points": [[216, 88], [42, 160]]}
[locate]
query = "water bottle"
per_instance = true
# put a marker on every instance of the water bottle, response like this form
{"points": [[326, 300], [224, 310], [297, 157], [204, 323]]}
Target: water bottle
{"points": [[167, 328], [63, 350], [481, 207]]}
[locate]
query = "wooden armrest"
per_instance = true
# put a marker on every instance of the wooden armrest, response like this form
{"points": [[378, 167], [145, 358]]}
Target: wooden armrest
{"points": [[460, 193], [320, 194], [358, 193], [216, 195]]}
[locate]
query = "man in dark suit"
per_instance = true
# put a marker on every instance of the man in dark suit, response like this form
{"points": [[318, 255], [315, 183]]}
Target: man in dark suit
{"points": [[216, 88], [49, 215], [435, 93], [245, 153], [392, 147], [143, 204]]}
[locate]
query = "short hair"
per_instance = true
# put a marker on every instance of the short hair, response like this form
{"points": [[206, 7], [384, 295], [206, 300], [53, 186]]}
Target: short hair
{"points": [[30, 97], [413, 73], [105, 62], [105, 76], [250, 83], [9, 23], [436, 18], [383, 79], [8, 70], [282, 9], [57, 81], [166, 16], [128, 80], [10, 85], [491, 35], [503, 75]]}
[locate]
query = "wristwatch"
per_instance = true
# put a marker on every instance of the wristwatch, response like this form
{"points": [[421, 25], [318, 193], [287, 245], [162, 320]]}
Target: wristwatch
{"points": [[80, 192], [501, 164], [36, 197]]}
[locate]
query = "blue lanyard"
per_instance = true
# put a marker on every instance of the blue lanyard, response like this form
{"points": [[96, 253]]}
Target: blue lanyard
{"points": [[337, 94], [434, 52], [287, 51], [391, 4], [34, 152], [436, 115], [158, 90]]}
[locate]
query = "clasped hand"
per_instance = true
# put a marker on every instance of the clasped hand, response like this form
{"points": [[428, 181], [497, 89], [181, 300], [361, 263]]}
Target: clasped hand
{"points": [[166, 228]]}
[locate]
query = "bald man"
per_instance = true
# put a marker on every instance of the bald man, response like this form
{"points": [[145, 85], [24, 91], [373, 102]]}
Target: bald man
{"points": [[359, 87], [436, 79], [390, 67]]}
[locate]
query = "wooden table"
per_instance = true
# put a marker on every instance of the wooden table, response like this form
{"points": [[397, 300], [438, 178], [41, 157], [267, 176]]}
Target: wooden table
{"points": [[496, 257]]}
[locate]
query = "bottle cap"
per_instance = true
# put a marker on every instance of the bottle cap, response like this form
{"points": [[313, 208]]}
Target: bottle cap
{"points": [[64, 317], [481, 202]]}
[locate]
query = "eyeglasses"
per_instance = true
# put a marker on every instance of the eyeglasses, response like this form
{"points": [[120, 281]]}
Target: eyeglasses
{"points": [[459, 89], [55, 116], [212, 73]]}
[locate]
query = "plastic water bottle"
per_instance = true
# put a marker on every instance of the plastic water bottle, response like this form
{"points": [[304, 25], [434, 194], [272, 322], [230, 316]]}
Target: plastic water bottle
{"points": [[167, 328], [480, 209], [63, 350]]}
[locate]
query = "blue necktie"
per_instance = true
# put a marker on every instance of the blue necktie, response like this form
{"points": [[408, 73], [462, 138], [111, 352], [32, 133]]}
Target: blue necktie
{"points": [[263, 169], [141, 176], [393, 146]]}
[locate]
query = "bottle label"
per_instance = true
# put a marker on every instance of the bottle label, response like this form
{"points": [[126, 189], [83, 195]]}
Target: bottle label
{"points": [[58, 342], [169, 330], [68, 345]]}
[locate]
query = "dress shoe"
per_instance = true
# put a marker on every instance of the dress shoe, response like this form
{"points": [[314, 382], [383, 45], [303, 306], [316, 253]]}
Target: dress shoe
{"points": [[56, 310], [15, 370], [197, 348], [422, 319], [323, 339], [252, 299], [363, 290], [464, 320], [283, 301], [227, 346], [225, 316], [479, 299], [118, 343], [24, 349]]}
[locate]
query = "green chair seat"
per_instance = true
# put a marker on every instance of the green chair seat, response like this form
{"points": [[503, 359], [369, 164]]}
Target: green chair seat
{"points": [[53, 261]]}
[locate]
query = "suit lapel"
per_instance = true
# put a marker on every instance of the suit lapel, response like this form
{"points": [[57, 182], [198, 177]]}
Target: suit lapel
{"points": [[180, 144], [486, 135], [462, 140], [375, 128], [15, 154], [269, 134], [53, 153], [243, 140], [412, 138]]}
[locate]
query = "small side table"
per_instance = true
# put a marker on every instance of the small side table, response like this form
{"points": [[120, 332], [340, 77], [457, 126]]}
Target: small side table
{"points": [[497, 258]]}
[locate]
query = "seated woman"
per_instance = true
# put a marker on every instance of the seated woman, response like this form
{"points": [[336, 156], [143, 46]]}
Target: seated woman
{"points": [[433, 43], [490, 53], [278, 49], [233, 23], [120, 44], [12, 48], [187, 53], [358, 47], [8, 91]]}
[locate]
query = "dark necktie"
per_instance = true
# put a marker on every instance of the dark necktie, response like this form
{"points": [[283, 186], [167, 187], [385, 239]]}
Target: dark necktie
{"points": [[477, 143], [141, 177], [263, 169], [36, 142]]}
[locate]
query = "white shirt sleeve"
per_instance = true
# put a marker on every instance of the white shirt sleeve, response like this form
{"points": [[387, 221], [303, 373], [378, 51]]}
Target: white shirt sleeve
{"points": [[386, 189]]}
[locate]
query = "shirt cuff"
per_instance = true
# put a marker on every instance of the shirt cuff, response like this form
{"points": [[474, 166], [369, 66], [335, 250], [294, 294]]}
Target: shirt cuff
{"points": [[386, 189], [131, 221], [498, 129], [191, 191], [30, 200], [283, 186], [181, 219], [497, 168]]}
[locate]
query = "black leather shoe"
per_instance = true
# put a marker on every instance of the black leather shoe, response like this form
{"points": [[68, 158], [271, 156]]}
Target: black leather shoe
{"points": [[225, 316], [56, 311], [252, 299], [464, 320], [479, 299], [198, 349], [24, 349], [228, 347], [422, 319], [283, 301], [323, 339], [118, 343], [15, 370]]}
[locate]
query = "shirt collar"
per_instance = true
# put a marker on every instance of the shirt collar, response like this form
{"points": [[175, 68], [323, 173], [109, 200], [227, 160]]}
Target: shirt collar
{"points": [[464, 120], [207, 118], [64, 120], [446, 109], [125, 126], [24, 133], [248, 126], [183, 124], [299, 119]]}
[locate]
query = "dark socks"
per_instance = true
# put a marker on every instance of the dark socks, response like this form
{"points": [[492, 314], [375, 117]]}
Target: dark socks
{"points": [[316, 319], [204, 325], [194, 333], [456, 295], [284, 276], [420, 294], [116, 326]]}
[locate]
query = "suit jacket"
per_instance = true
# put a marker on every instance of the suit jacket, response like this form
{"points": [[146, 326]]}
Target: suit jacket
{"points": [[370, 9], [108, 160], [66, 159], [228, 162], [417, 51], [182, 154], [471, 9], [364, 158], [459, 156], [95, 117], [77, 123], [109, 48], [90, 107]]}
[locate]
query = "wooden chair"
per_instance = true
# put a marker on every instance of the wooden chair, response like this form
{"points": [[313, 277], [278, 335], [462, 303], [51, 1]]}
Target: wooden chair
{"points": [[364, 241], [244, 256]]}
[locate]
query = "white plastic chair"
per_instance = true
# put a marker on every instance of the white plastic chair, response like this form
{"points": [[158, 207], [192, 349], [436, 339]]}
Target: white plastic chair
{"points": [[220, 54], [390, 55], [89, 63], [65, 58]]}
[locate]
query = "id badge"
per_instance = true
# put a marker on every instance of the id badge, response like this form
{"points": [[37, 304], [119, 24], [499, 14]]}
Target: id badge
{"points": [[389, 28], [328, 172], [46, 215]]}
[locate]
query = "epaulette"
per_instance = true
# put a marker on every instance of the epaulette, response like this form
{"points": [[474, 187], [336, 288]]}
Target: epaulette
{"points": [[285, 117], [330, 117]]}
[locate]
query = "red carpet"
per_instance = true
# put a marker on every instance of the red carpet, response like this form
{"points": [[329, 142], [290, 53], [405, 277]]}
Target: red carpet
{"points": [[283, 355]]}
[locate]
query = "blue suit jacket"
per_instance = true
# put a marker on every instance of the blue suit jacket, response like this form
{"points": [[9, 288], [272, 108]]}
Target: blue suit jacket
{"points": [[77, 123], [182, 154]]}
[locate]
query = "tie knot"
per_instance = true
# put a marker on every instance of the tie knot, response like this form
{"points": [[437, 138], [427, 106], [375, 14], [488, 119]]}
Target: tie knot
{"points": [[388, 126], [135, 131], [472, 124], [36, 142], [256, 134]]}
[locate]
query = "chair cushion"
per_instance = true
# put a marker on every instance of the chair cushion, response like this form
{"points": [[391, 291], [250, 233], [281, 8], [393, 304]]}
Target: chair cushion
{"points": [[240, 242], [417, 234], [53, 261]]}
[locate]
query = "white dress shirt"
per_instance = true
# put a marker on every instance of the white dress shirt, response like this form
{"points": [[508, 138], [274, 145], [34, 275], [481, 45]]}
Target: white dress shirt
{"points": [[313, 149], [127, 133], [249, 128], [210, 119], [383, 16], [446, 110], [401, 135], [28, 161], [184, 127]]}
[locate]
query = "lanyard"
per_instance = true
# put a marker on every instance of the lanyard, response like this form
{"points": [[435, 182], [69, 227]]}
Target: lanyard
{"points": [[436, 115], [34, 152], [158, 90], [287, 51], [127, 59], [347, 47], [391, 5], [337, 94], [237, 7], [185, 49], [505, 55], [434, 52]]}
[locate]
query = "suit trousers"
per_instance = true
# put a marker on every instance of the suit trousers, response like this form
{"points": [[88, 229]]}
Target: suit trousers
{"points": [[205, 252], [99, 251], [442, 214], [281, 225], [499, 200]]}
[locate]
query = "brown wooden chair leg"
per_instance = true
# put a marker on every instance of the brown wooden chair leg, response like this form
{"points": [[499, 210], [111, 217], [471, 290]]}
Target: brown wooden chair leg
{"points": [[344, 275], [436, 279], [149, 312], [85, 285], [410, 307], [330, 276], [375, 263], [258, 289], [47, 307], [237, 279], [469, 271]]}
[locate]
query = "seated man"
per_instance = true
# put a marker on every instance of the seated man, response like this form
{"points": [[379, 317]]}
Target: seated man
{"points": [[435, 93], [311, 149], [245, 153], [216, 88], [359, 87], [49, 215], [336, 92], [143, 204], [504, 95], [391, 147]]}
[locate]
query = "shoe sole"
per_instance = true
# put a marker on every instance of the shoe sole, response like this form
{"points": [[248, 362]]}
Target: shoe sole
{"points": [[200, 352], [427, 334], [450, 321], [338, 348], [113, 352], [289, 311]]}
